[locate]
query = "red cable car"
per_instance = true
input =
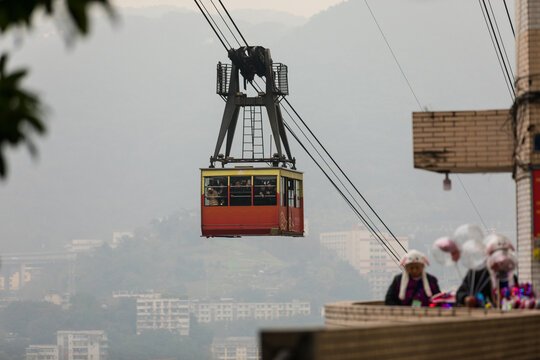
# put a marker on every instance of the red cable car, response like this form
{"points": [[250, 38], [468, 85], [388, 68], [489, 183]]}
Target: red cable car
{"points": [[245, 200], [251, 201]]}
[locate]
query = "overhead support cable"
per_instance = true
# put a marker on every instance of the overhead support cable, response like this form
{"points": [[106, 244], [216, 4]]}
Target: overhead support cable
{"points": [[343, 172], [497, 48], [472, 202], [394, 56], [502, 42], [392, 254], [419, 104], [225, 22], [372, 224], [378, 233], [216, 26], [509, 18], [233, 22]]}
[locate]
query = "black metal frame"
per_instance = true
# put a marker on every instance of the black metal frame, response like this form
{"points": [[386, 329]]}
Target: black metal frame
{"points": [[275, 88]]}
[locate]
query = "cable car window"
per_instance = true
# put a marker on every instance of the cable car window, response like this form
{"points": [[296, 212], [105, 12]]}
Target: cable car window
{"points": [[290, 192], [297, 192], [282, 191], [264, 190], [215, 191], [240, 190]]}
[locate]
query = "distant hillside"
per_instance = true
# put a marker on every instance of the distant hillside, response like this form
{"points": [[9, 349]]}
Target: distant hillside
{"points": [[134, 115]]}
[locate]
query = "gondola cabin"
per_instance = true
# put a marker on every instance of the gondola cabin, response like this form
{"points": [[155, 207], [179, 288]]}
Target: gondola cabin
{"points": [[246, 201]]}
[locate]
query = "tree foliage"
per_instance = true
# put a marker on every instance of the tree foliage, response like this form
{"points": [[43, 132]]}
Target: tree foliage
{"points": [[21, 111]]}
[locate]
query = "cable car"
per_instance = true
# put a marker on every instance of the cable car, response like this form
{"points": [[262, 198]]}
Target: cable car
{"points": [[247, 201]]}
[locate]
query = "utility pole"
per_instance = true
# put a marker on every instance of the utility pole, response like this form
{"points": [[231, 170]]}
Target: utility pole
{"points": [[505, 140]]}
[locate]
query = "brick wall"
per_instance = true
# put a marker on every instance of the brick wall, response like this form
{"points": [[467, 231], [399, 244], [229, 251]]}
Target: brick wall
{"points": [[392, 332], [463, 141]]}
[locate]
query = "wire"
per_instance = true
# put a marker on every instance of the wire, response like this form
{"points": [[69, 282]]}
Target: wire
{"points": [[387, 248], [227, 25], [343, 172], [472, 202], [502, 42], [509, 18], [236, 27], [341, 182], [217, 27], [257, 87], [497, 48], [209, 23], [394, 56]]}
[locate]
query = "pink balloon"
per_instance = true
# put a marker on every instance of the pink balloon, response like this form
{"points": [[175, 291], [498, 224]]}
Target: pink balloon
{"points": [[445, 251], [448, 245]]}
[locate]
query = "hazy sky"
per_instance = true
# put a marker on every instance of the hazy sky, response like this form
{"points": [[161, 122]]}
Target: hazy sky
{"points": [[302, 8]]}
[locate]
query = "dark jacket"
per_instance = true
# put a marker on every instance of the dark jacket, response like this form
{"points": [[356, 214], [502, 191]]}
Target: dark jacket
{"points": [[482, 285], [392, 295]]}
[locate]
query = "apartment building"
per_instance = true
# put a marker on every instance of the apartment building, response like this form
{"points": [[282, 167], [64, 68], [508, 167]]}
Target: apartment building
{"points": [[155, 312], [82, 345], [42, 352], [229, 310], [365, 253]]}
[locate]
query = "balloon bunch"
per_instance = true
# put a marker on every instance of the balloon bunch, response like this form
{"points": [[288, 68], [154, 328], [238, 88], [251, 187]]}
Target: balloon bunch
{"points": [[469, 247], [520, 296], [466, 246]]}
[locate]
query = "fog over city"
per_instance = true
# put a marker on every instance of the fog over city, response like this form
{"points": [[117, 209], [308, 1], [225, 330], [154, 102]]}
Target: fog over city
{"points": [[132, 115]]}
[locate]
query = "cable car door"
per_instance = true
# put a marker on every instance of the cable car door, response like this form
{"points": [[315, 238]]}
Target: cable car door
{"points": [[287, 195]]}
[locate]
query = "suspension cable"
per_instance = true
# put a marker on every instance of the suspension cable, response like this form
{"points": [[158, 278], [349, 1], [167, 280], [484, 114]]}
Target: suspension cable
{"points": [[497, 47], [341, 182], [216, 25], [233, 22], [227, 25], [509, 18], [502, 42], [394, 55], [395, 257], [257, 87], [209, 23]]}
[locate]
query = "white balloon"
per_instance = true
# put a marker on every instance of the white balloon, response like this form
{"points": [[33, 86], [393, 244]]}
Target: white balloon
{"points": [[472, 254], [467, 232]]}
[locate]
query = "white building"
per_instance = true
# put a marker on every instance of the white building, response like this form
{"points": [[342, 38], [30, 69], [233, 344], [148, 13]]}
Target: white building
{"points": [[84, 245], [82, 345], [42, 352], [163, 313], [235, 348], [365, 253], [228, 310], [121, 236]]}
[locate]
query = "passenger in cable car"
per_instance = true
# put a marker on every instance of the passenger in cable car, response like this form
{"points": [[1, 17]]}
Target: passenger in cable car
{"points": [[212, 196], [414, 287]]}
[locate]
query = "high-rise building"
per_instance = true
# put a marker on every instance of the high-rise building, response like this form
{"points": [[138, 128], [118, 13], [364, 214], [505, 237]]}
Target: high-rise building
{"points": [[42, 352], [364, 252], [82, 345], [156, 312]]}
